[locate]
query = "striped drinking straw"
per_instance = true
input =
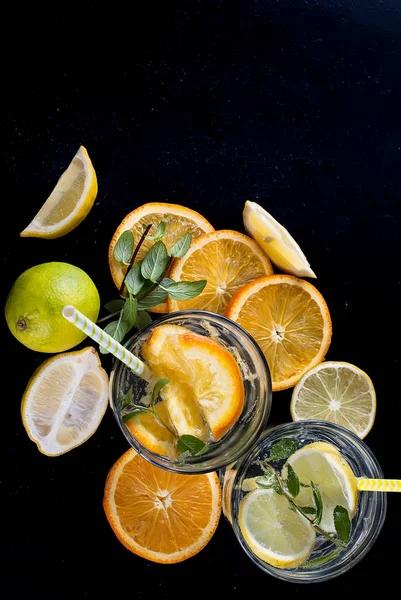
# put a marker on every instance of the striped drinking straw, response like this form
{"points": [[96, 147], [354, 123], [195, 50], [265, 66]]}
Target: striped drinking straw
{"points": [[378, 485], [97, 334]]}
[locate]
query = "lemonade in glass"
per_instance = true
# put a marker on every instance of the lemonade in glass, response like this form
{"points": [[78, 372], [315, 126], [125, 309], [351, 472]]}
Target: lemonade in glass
{"points": [[209, 397], [295, 475]]}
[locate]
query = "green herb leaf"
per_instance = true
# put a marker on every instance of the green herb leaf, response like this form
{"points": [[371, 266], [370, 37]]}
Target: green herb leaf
{"points": [[124, 248], [342, 523], [283, 449], [156, 390], [317, 497], [155, 296], [181, 457], [266, 481], [308, 510], [155, 262], [181, 247], [292, 482], [134, 280], [143, 319], [321, 560], [136, 413], [128, 313], [191, 444], [306, 485], [184, 290], [114, 305], [161, 228]]}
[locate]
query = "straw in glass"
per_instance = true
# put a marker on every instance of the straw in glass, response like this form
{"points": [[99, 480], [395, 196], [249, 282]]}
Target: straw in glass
{"points": [[74, 316], [378, 485]]}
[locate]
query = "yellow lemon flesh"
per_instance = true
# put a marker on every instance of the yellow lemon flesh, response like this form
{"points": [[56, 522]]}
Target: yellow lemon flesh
{"points": [[36, 299]]}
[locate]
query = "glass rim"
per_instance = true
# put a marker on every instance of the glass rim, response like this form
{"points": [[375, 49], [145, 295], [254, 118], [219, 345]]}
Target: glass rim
{"points": [[193, 464], [357, 552]]}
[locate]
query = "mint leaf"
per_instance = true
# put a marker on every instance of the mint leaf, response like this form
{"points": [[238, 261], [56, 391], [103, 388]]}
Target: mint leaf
{"points": [[136, 413], [266, 481], [114, 305], [342, 523], [191, 444], [124, 248], [116, 329], [134, 280], [155, 296], [184, 290], [181, 247], [156, 390], [283, 449], [143, 319], [155, 262], [128, 313], [307, 510], [321, 560], [317, 497], [161, 228], [292, 481]]}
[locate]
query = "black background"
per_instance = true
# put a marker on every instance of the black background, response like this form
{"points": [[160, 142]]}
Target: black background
{"points": [[292, 104]]}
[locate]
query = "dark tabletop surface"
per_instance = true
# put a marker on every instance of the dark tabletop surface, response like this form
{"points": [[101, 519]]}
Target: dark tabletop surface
{"points": [[292, 104]]}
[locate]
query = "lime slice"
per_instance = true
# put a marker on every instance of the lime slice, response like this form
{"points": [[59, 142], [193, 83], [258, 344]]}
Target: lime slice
{"points": [[323, 464], [276, 534], [275, 240], [338, 392]]}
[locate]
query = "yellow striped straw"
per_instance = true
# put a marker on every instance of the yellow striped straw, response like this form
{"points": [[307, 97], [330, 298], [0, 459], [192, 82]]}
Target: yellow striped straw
{"points": [[378, 485], [75, 317]]}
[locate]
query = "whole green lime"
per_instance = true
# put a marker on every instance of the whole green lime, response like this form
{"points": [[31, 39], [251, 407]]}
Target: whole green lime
{"points": [[36, 300]]}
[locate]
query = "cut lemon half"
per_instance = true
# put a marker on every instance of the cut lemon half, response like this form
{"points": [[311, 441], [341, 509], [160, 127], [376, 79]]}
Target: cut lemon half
{"points": [[279, 536], [275, 240], [323, 464], [70, 201], [65, 400], [205, 393], [152, 434], [228, 260], [338, 392], [289, 319], [179, 220], [162, 516]]}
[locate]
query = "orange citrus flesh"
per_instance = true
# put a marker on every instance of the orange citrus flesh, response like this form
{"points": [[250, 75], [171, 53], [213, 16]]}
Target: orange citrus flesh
{"points": [[179, 220], [205, 393], [289, 319], [152, 434], [228, 260], [162, 516]]}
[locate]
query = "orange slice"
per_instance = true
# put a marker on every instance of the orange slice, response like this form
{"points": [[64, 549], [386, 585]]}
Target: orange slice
{"points": [[205, 394], [289, 319], [179, 220], [162, 516], [228, 260], [152, 434]]}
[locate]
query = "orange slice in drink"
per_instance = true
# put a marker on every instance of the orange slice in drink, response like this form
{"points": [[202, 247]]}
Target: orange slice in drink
{"points": [[162, 516], [179, 220], [151, 433], [205, 393], [289, 319], [228, 260]]}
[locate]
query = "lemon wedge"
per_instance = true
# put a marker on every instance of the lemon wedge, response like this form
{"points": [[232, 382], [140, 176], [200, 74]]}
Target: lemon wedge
{"points": [[323, 464], [65, 400], [70, 201], [277, 535], [275, 240]]}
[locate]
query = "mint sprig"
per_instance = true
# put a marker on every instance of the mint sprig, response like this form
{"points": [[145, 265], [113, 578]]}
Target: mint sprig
{"points": [[145, 284]]}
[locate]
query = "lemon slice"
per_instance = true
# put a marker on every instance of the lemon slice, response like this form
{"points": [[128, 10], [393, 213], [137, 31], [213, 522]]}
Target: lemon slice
{"points": [[70, 201], [275, 240], [64, 401], [338, 392], [276, 534], [323, 464]]}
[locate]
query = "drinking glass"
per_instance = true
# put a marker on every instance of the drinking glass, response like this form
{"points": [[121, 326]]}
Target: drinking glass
{"points": [[257, 391], [366, 523]]}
